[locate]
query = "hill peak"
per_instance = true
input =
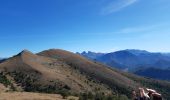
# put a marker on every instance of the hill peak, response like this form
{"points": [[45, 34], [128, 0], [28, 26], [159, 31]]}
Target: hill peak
{"points": [[25, 51]]}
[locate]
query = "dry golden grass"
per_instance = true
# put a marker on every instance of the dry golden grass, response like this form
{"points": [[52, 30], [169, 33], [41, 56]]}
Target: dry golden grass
{"points": [[31, 96], [49, 70], [95, 70]]}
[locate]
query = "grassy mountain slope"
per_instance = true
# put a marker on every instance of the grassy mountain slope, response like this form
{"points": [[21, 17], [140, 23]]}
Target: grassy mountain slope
{"points": [[98, 72], [162, 87], [154, 73], [43, 74], [112, 77]]}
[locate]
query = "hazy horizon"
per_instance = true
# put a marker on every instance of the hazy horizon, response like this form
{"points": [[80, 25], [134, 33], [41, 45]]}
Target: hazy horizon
{"points": [[90, 25], [82, 51]]}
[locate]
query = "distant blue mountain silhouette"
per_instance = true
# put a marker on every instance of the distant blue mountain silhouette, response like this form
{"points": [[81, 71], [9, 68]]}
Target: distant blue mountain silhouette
{"points": [[131, 59], [137, 61], [2, 59], [91, 55]]}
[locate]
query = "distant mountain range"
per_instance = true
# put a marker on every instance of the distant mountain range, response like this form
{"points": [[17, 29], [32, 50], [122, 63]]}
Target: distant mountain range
{"points": [[91, 55], [132, 60]]}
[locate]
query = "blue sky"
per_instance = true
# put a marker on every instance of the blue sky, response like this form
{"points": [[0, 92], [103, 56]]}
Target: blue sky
{"points": [[82, 25]]}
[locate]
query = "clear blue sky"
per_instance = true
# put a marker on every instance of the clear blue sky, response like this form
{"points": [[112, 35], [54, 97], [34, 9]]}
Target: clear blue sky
{"points": [[78, 25]]}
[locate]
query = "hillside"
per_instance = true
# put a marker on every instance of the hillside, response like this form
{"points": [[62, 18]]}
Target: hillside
{"points": [[101, 73], [95, 71], [162, 86], [33, 73], [43, 73], [154, 73], [66, 73]]}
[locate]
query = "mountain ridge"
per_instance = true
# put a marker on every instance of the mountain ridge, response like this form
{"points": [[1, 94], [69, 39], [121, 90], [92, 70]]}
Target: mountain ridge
{"points": [[55, 71], [139, 57]]}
